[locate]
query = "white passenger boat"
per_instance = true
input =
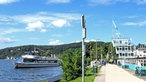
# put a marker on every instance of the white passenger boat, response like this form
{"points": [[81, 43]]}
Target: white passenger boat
{"points": [[31, 61]]}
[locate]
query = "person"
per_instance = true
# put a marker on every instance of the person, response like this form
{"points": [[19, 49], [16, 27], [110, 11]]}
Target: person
{"points": [[104, 63]]}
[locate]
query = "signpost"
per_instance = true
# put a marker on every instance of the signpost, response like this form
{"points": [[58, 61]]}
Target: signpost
{"points": [[83, 46]]}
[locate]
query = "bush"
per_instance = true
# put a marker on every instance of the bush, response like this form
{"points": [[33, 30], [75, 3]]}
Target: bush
{"points": [[72, 63]]}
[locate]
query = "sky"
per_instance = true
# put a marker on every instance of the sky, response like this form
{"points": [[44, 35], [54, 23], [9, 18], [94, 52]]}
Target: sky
{"points": [[55, 22]]}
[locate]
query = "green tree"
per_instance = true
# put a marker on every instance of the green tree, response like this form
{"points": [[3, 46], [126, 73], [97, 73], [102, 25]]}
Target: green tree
{"points": [[47, 53], [72, 64]]}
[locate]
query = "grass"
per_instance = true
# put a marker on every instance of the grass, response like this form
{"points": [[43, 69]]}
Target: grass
{"points": [[89, 76]]}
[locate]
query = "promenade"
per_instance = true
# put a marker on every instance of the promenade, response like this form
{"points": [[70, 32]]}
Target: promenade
{"points": [[114, 73]]}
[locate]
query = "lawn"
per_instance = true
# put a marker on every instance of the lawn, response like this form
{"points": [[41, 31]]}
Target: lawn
{"points": [[89, 76]]}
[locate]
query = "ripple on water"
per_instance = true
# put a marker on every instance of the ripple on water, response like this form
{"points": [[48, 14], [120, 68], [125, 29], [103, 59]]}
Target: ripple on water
{"points": [[9, 74]]}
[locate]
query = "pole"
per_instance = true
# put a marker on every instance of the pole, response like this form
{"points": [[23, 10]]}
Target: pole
{"points": [[83, 46], [83, 53], [101, 56], [90, 52], [96, 50]]}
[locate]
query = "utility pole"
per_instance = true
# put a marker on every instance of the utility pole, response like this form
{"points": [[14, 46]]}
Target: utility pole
{"points": [[83, 46]]}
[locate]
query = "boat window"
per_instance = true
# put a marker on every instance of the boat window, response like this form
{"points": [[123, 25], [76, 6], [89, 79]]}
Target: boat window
{"points": [[28, 60], [53, 61]]}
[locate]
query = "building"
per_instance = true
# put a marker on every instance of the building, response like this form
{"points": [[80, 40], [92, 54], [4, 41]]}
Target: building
{"points": [[140, 50]]}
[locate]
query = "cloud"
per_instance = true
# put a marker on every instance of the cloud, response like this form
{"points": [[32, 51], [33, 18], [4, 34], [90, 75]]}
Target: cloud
{"points": [[130, 17], [6, 40], [77, 41], [90, 40], [57, 35], [41, 21], [101, 1], [10, 30], [35, 25], [141, 2], [59, 1], [43, 30], [141, 23], [55, 42], [7, 1], [105, 2], [60, 23]]}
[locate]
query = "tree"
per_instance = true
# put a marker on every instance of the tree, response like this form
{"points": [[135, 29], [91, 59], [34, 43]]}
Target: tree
{"points": [[72, 64], [47, 53]]}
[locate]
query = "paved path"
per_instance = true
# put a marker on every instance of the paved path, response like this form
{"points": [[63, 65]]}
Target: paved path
{"points": [[113, 73], [101, 76]]}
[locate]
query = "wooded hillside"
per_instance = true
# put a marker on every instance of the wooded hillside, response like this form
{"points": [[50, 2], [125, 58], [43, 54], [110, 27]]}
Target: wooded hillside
{"points": [[102, 47]]}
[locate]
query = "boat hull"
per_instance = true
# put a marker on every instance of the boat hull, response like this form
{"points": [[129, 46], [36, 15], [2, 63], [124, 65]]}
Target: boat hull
{"points": [[35, 65]]}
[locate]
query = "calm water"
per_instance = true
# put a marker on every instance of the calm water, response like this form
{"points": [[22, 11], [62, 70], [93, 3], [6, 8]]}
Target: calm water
{"points": [[9, 74]]}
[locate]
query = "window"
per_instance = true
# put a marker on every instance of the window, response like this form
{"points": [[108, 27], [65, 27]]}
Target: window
{"points": [[123, 48], [129, 48], [120, 54], [120, 48], [126, 54], [114, 41], [120, 42], [132, 54]]}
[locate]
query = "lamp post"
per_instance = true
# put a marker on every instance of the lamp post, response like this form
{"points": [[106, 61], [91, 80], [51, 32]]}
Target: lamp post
{"points": [[83, 46]]}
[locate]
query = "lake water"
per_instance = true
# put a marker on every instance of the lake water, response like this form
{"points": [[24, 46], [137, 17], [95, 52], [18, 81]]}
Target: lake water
{"points": [[10, 74]]}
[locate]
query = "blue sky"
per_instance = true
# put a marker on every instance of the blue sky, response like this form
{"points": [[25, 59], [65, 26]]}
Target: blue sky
{"points": [[54, 22]]}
